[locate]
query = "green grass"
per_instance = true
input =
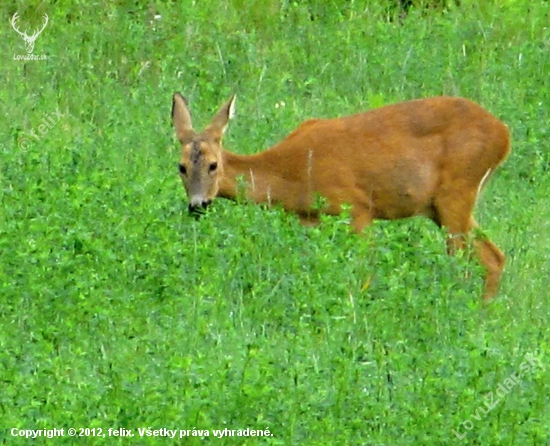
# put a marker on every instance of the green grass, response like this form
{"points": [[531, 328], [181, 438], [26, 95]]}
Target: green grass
{"points": [[118, 310]]}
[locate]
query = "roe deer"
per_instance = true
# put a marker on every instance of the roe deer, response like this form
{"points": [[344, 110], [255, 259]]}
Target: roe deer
{"points": [[427, 157]]}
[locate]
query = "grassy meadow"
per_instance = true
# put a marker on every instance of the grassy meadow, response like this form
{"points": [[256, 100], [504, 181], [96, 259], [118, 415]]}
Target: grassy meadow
{"points": [[118, 310]]}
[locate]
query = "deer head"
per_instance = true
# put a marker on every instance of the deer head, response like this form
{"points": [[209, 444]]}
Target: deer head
{"points": [[201, 162], [29, 40]]}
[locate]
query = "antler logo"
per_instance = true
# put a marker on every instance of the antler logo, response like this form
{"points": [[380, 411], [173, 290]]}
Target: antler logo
{"points": [[29, 40]]}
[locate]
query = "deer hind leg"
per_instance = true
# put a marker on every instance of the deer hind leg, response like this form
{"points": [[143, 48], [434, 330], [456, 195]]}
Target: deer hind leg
{"points": [[454, 212], [493, 259]]}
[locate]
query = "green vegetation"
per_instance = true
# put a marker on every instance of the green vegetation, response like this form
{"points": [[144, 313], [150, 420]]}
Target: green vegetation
{"points": [[118, 310]]}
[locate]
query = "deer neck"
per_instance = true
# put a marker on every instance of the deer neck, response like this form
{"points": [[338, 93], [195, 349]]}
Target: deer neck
{"points": [[258, 183]]}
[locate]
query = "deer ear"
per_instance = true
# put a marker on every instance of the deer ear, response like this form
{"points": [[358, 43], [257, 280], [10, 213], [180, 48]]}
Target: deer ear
{"points": [[219, 122], [181, 118]]}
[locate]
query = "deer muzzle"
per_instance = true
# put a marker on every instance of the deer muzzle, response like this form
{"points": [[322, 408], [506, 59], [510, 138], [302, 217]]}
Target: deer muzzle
{"points": [[198, 205]]}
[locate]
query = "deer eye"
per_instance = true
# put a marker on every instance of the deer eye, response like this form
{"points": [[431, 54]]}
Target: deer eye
{"points": [[213, 166], [182, 168]]}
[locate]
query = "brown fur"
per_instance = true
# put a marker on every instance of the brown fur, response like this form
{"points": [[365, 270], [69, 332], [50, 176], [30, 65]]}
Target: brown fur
{"points": [[423, 157]]}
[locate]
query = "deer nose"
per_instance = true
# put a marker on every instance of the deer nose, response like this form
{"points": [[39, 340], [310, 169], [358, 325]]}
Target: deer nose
{"points": [[198, 207]]}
